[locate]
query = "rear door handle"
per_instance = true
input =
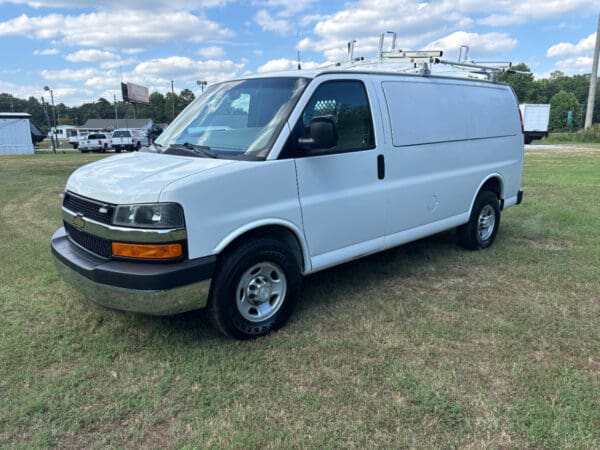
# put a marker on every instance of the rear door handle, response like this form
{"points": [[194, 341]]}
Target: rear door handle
{"points": [[380, 167]]}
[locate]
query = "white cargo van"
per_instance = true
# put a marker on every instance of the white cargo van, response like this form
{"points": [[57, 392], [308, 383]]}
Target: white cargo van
{"points": [[264, 179]]}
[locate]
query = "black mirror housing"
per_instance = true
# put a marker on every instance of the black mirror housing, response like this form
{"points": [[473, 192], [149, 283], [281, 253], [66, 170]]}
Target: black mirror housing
{"points": [[323, 134]]}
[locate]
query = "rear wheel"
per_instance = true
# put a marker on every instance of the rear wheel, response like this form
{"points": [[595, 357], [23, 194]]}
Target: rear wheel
{"points": [[118, 149], [482, 227], [138, 146], [104, 148], [255, 288]]}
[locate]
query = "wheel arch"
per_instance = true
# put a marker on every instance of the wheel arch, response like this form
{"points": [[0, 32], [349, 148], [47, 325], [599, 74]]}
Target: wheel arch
{"points": [[285, 231], [493, 183]]}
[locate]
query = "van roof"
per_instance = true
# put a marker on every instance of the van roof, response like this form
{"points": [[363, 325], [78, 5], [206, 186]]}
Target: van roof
{"points": [[375, 69]]}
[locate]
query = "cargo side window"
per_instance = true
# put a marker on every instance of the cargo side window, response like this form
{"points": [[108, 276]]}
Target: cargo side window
{"points": [[347, 102]]}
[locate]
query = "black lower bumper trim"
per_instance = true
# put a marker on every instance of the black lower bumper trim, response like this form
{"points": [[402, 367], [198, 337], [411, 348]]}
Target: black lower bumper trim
{"points": [[131, 275]]}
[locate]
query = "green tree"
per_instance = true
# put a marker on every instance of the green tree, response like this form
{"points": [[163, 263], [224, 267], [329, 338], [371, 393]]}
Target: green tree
{"points": [[522, 83], [560, 105]]}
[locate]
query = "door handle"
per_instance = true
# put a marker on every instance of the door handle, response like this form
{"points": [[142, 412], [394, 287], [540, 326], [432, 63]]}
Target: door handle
{"points": [[380, 167]]}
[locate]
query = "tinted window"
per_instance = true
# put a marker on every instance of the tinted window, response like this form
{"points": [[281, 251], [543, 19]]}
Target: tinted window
{"points": [[347, 103], [121, 134]]}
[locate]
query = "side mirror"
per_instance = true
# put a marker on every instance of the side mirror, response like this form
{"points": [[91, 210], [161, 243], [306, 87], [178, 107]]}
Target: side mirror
{"points": [[323, 134]]}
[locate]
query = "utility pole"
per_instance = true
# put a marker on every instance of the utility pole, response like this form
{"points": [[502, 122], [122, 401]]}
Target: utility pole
{"points": [[589, 115], [46, 88], [172, 101], [116, 114], [49, 124]]}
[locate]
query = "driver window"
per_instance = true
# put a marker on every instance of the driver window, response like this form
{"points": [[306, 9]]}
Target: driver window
{"points": [[346, 101]]}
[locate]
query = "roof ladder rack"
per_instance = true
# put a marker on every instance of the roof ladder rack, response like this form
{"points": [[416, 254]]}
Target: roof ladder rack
{"points": [[421, 61]]}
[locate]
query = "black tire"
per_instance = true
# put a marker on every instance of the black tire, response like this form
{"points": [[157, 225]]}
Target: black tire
{"points": [[528, 139], [481, 229], [264, 269], [83, 151], [118, 149], [138, 147], [104, 148]]}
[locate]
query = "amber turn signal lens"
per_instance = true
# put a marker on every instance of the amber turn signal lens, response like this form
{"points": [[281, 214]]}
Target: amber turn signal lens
{"points": [[147, 251]]}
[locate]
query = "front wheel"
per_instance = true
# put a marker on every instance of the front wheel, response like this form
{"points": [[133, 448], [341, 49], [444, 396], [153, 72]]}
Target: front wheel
{"points": [[255, 288], [482, 227]]}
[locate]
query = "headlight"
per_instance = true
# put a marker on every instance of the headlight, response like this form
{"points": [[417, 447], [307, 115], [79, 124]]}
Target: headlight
{"points": [[157, 215]]}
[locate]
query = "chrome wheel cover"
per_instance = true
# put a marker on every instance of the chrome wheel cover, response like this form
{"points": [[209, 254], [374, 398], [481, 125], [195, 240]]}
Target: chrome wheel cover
{"points": [[486, 222], [261, 291]]}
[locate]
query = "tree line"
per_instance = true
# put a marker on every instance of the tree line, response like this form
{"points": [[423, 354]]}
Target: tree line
{"points": [[160, 109], [567, 96]]}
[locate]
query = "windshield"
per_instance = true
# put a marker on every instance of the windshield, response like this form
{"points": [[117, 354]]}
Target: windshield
{"points": [[236, 119]]}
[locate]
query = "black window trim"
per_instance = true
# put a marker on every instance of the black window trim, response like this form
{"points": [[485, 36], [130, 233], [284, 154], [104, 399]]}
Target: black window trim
{"points": [[287, 152]]}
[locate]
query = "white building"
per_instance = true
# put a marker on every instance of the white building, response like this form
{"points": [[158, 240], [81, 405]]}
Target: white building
{"points": [[15, 134]]}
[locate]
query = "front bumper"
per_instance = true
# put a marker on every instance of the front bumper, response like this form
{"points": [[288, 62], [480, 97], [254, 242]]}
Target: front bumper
{"points": [[149, 288]]}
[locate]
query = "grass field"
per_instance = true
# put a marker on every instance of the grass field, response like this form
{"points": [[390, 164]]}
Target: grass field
{"points": [[426, 345]]}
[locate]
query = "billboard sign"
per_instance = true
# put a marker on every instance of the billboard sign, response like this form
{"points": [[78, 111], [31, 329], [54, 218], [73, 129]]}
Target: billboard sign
{"points": [[134, 93]]}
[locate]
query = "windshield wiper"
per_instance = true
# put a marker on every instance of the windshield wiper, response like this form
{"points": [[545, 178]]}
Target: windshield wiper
{"points": [[196, 149]]}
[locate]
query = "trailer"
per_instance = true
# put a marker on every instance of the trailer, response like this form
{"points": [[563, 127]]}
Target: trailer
{"points": [[535, 120]]}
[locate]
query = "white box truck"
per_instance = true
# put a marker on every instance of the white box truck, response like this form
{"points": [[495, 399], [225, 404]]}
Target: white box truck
{"points": [[535, 120], [266, 178]]}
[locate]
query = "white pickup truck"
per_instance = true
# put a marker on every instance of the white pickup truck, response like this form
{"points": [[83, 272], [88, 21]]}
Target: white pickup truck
{"points": [[267, 178], [95, 141], [128, 139], [76, 139]]}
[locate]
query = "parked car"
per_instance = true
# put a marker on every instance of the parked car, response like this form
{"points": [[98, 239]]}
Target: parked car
{"points": [[74, 140], [129, 139], [264, 179], [95, 141]]}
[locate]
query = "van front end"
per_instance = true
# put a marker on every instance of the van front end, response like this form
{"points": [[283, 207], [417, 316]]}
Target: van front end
{"points": [[130, 257]]}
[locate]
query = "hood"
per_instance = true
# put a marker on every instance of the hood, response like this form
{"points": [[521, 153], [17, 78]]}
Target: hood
{"points": [[137, 177]]}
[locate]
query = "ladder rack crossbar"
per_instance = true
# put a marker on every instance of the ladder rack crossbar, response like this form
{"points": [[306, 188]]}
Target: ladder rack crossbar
{"points": [[421, 61]]}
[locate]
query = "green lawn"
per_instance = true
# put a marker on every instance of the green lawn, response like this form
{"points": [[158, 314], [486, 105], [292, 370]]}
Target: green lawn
{"points": [[426, 345]]}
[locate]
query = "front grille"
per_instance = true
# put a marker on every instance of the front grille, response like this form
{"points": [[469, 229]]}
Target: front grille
{"points": [[88, 208], [100, 247]]}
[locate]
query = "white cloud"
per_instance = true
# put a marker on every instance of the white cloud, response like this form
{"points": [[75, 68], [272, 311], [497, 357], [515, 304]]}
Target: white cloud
{"points": [[269, 23], [585, 45], [212, 52], [91, 55], [287, 8], [577, 65], [480, 45], [277, 65], [122, 4], [47, 51], [133, 29], [509, 12], [182, 68], [417, 23], [70, 74]]}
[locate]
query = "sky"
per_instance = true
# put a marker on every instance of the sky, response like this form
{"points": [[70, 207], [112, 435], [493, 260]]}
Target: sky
{"points": [[82, 50]]}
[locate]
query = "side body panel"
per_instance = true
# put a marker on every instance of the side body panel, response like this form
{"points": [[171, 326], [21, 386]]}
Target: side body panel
{"points": [[448, 138]]}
